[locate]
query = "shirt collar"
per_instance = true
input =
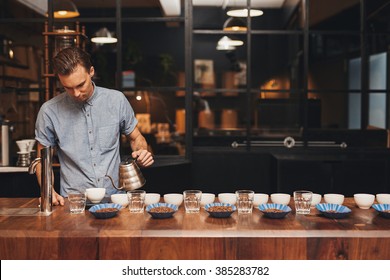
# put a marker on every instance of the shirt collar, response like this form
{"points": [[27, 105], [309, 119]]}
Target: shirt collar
{"points": [[87, 102], [94, 94]]}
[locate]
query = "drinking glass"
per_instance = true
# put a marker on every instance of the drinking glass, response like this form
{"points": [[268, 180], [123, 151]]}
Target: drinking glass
{"points": [[192, 200], [77, 201], [302, 200], [136, 201], [245, 201]]}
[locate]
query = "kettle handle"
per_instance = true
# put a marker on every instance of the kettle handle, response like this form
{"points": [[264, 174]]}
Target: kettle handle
{"points": [[130, 157]]}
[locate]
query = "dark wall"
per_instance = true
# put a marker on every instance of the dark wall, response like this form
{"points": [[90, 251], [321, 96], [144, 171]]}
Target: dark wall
{"points": [[18, 185], [167, 179], [267, 171], [346, 176], [223, 171], [285, 170], [159, 179], [21, 184]]}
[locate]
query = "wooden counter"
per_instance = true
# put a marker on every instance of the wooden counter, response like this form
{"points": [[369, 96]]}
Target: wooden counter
{"points": [[363, 235]]}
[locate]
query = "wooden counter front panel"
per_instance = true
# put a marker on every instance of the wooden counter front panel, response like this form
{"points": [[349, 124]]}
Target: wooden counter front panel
{"points": [[48, 247], [153, 248], [244, 248], [348, 249], [182, 248], [195, 248]]}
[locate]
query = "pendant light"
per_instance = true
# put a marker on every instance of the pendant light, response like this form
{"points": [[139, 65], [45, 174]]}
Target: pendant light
{"points": [[104, 36], [239, 9], [65, 9], [234, 24], [227, 44], [243, 12]]}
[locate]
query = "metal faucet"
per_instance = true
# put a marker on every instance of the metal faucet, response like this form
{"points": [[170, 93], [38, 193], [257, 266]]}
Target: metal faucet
{"points": [[46, 178]]}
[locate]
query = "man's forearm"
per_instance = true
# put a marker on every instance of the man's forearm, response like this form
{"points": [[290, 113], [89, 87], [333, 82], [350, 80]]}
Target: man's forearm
{"points": [[38, 173], [139, 143], [137, 140]]}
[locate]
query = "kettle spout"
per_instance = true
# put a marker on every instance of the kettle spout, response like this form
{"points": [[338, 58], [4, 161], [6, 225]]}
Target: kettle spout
{"points": [[33, 166], [112, 182]]}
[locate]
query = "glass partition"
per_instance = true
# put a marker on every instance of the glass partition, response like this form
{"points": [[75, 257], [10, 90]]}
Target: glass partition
{"points": [[295, 69]]}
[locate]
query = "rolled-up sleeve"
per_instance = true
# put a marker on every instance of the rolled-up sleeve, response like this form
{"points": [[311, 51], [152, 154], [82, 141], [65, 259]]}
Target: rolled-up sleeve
{"points": [[129, 122], [44, 129]]}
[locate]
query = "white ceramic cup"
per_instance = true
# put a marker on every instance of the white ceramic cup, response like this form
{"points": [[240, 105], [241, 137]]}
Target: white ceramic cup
{"points": [[383, 198], [334, 198], [120, 198], [227, 198], [207, 198], [260, 198], [152, 198], [95, 195], [316, 198], [173, 198], [281, 198], [364, 200]]}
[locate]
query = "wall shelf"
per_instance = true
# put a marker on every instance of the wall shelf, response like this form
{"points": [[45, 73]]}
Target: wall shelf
{"points": [[12, 63], [79, 38]]}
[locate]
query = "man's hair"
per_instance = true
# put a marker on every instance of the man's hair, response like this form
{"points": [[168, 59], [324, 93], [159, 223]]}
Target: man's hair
{"points": [[67, 60]]}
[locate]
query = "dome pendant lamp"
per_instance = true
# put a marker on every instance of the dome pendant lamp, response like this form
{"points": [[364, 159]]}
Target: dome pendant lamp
{"points": [[226, 44], [65, 9], [104, 36], [234, 24], [244, 12]]}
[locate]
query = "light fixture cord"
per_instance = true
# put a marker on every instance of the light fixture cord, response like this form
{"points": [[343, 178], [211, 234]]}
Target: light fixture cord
{"points": [[224, 4]]}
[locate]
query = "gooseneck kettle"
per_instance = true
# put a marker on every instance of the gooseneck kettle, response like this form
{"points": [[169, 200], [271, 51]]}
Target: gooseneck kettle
{"points": [[130, 176]]}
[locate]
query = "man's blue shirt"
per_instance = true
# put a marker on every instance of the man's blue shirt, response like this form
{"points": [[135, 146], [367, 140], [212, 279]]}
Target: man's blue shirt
{"points": [[87, 136]]}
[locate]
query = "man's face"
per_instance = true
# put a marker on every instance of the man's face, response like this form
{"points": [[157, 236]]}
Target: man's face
{"points": [[78, 84]]}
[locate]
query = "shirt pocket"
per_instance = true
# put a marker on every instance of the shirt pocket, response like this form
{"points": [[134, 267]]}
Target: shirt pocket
{"points": [[108, 137]]}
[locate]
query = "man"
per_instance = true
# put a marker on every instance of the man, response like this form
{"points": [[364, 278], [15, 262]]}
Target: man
{"points": [[85, 124]]}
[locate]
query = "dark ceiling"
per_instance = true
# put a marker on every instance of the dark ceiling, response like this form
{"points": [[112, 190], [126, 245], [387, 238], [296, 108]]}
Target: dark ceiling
{"points": [[112, 3]]}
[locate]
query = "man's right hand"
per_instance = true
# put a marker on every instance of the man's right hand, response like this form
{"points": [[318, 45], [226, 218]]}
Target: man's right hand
{"points": [[57, 199]]}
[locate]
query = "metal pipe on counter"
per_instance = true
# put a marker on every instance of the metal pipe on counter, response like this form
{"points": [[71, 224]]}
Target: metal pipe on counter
{"points": [[46, 178]]}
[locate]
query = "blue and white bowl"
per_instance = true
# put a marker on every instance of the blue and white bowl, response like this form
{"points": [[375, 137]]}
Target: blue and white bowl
{"points": [[105, 215], [281, 210], [222, 214], [333, 211], [382, 209], [161, 215]]}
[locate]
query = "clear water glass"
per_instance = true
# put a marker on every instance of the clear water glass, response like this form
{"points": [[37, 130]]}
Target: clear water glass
{"points": [[77, 201], [192, 200], [245, 201], [136, 201], [302, 201]]}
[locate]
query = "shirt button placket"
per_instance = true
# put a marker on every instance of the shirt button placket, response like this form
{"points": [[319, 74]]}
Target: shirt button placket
{"points": [[91, 136]]}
